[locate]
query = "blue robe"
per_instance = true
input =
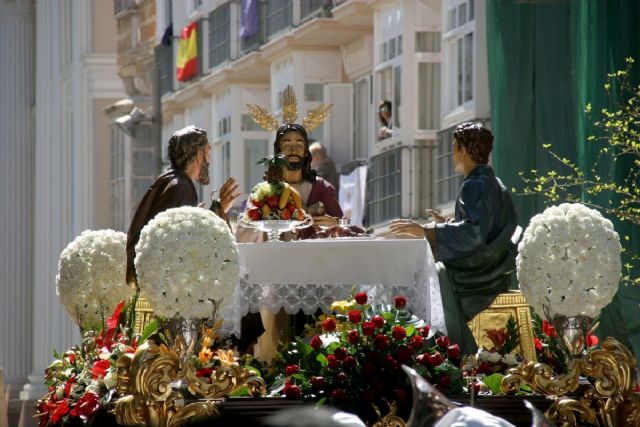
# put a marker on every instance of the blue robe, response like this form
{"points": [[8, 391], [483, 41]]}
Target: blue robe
{"points": [[475, 255]]}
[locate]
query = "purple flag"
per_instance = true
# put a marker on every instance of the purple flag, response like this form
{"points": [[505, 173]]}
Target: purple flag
{"points": [[248, 18]]}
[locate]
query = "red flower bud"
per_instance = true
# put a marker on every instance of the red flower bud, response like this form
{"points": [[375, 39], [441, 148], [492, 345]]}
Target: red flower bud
{"points": [[424, 331], [329, 325], [443, 341], [292, 392], [291, 370], [317, 382], [338, 395], [100, 368], [453, 351], [378, 321], [316, 342], [353, 337], [333, 361], [368, 328], [399, 333], [340, 378], [400, 301], [350, 362], [417, 341], [381, 342], [437, 359], [355, 316], [340, 353], [390, 363], [361, 298], [424, 359]]}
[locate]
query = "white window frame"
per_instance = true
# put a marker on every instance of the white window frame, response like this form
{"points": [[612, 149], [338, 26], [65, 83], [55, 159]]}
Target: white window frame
{"points": [[450, 40]]}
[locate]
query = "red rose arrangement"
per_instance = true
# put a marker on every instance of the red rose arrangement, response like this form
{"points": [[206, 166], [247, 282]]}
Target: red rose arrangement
{"points": [[83, 379], [354, 359]]}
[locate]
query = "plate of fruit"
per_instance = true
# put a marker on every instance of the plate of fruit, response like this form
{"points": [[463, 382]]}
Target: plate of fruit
{"points": [[274, 206]]}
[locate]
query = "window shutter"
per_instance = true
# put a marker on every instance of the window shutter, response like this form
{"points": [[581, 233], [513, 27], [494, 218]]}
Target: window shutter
{"points": [[338, 129]]}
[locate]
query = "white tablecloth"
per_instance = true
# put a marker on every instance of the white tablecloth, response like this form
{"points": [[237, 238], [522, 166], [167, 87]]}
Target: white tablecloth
{"points": [[311, 274]]}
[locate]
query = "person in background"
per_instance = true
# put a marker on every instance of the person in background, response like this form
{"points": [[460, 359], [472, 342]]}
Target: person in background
{"points": [[474, 250], [384, 114], [323, 165]]}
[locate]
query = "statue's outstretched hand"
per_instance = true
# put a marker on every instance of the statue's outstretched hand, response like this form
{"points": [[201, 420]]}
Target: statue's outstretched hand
{"points": [[228, 194], [435, 215], [407, 227]]}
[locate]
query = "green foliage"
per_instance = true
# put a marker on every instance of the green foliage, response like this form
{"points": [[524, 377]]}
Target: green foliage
{"points": [[513, 336], [617, 141]]}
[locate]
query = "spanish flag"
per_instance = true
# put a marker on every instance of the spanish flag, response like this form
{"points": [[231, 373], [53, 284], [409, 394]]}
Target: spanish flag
{"points": [[187, 60]]}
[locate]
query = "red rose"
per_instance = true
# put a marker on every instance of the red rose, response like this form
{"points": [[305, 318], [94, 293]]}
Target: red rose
{"points": [[378, 321], [399, 333], [340, 353], [424, 331], [444, 381], [453, 351], [381, 342], [538, 344], [424, 359], [338, 395], [329, 325], [390, 363], [404, 353], [292, 392], [417, 341], [443, 341], [355, 316], [317, 382], [368, 328], [291, 370], [204, 373], [100, 368], [340, 378], [316, 342], [437, 359], [400, 301], [85, 406], [350, 362], [361, 298], [369, 369], [333, 361], [353, 337]]}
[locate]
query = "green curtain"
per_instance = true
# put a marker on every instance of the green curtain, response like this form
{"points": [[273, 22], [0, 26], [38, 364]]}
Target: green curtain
{"points": [[546, 62]]}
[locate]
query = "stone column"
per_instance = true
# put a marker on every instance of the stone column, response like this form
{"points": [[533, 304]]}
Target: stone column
{"points": [[17, 151], [53, 218]]}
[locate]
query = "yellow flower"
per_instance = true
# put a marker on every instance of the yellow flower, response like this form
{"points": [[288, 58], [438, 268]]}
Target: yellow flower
{"points": [[205, 355], [343, 306], [227, 358]]}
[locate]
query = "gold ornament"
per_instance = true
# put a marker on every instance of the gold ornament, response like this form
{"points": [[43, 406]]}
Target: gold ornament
{"points": [[610, 402], [389, 420], [147, 399], [269, 122]]}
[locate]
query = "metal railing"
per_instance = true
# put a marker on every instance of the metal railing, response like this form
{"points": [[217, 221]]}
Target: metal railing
{"points": [[310, 9], [278, 16], [384, 187]]}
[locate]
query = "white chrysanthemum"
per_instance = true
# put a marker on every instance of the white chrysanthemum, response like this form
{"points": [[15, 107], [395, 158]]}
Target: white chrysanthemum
{"points": [[569, 261], [185, 259], [91, 276]]}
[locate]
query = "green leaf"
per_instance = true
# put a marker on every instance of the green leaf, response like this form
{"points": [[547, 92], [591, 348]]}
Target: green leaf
{"points": [[332, 347], [322, 359], [493, 382], [410, 330], [389, 317], [150, 329], [304, 348]]}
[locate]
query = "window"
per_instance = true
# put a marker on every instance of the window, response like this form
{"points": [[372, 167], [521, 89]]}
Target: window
{"points": [[226, 160], [428, 41], [362, 107], [248, 125], [224, 126], [314, 92], [278, 15], [384, 186], [254, 150], [219, 35], [459, 42], [447, 182], [397, 95], [117, 182], [428, 95]]}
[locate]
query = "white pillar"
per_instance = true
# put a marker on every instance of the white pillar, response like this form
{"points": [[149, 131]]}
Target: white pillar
{"points": [[52, 328], [17, 151]]}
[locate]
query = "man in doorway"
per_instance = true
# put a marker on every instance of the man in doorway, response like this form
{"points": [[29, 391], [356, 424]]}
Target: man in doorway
{"points": [[323, 165]]}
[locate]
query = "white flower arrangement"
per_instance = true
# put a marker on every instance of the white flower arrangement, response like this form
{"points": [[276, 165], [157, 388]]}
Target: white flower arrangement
{"points": [[91, 276], [569, 261], [186, 259]]}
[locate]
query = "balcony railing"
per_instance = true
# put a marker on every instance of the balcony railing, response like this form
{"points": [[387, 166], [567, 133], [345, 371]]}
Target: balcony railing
{"points": [[310, 9], [279, 16], [384, 187], [219, 35]]}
